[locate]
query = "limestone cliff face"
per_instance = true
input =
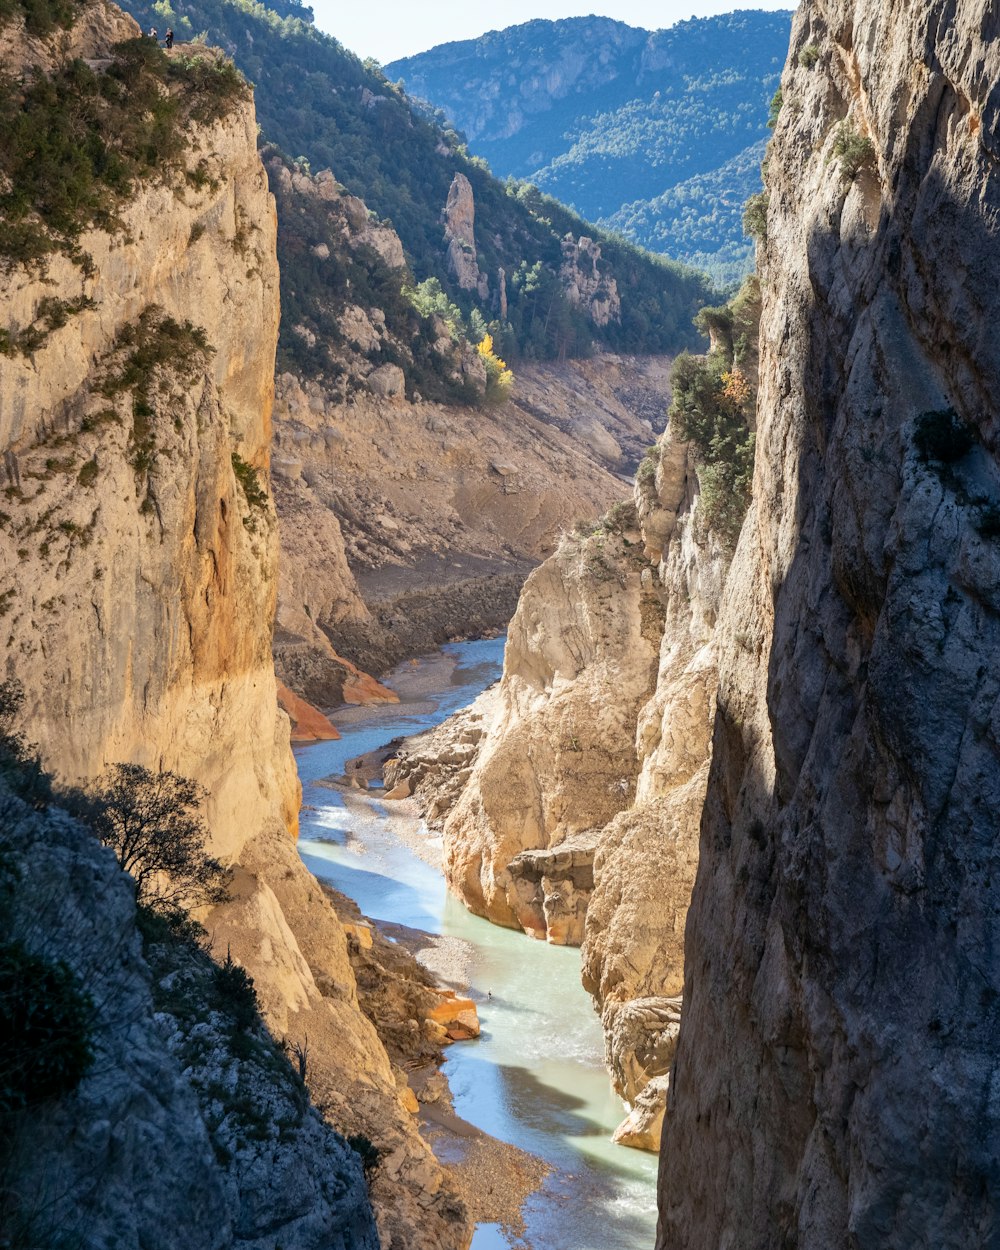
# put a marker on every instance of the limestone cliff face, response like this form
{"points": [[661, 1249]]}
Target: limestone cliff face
{"points": [[183, 1132], [428, 517], [411, 513], [139, 575], [559, 760], [647, 856], [573, 793], [123, 529], [838, 1043], [586, 285], [460, 237]]}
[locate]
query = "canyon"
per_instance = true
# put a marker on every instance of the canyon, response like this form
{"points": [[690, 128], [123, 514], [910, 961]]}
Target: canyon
{"points": [[743, 751], [813, 751], [140, 578]]}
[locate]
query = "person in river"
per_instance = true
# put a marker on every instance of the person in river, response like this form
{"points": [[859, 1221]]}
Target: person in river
{"points": [[169, 41]]}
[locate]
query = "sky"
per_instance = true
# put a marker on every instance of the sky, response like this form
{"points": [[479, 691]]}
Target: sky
{"points": [[389, 29]]}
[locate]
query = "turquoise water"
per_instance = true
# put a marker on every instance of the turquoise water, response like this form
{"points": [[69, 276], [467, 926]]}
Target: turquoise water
{"points": [[535, 1077]]}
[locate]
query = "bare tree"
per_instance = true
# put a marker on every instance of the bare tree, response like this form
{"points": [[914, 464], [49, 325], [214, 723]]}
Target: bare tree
{"points": [[301, 1052], [153, 823]]}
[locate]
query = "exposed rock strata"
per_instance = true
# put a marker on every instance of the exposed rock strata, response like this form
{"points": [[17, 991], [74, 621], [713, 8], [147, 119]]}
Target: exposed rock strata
{"points": [[557, 760], [570, 822], [139, 576], [586, 286], [460, 236], [838, 1041], [407, 524]]}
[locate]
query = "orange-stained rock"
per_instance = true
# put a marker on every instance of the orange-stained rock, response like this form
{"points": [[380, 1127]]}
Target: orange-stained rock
{"points": [[457, 1016], [361, 687], [308, 723], [361, 933]]}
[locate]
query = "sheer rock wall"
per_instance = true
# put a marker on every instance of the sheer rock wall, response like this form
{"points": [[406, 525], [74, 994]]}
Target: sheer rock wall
{"points": [[833, 1077]]}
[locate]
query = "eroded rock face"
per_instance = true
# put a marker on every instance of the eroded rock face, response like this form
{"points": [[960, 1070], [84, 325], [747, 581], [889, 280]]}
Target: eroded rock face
{"points": [[140, 581], [180, 1125], [460, 237], [585, 284], [138, 572], [647, 856], [559, 760], [574, 824], [405, 524], [840, 1004]]}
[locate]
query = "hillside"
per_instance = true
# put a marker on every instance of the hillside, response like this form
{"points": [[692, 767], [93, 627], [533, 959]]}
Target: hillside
{"points": [[503, 253], [602, 115]]}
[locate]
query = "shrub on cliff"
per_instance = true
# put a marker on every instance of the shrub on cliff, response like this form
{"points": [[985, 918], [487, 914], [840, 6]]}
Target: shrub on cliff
{"points": [[499, 379], [41, 17], [77, 141], [20, 768], [853, 150], [153, 823], [714, 399], [45, 1017]]}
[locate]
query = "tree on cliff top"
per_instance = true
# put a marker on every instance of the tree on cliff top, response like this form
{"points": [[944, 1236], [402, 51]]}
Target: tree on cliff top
{"points": [[153, 823]]}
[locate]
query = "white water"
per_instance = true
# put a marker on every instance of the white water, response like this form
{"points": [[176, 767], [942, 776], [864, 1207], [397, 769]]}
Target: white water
{"points": [[535, 1077]]}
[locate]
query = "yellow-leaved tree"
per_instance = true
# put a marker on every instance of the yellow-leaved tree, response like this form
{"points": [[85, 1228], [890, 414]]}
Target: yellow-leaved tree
{"points": [[499, 379]]}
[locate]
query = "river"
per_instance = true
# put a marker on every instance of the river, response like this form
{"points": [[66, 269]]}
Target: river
{"points": [[535, 1077]]}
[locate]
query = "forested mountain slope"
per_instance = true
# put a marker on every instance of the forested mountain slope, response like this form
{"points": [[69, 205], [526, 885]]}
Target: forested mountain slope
{"points": [[603, 115], [319, 102]]}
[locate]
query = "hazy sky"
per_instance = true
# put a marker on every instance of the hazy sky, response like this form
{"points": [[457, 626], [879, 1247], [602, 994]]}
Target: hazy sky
{"points": [[388, 29]]}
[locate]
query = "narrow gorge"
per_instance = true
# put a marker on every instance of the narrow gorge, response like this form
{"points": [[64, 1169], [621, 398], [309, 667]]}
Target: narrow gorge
{"points": [[718, 837]]}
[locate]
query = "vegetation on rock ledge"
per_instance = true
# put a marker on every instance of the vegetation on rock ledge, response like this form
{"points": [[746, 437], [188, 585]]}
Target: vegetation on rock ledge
{"points": [[77, 142], [714, 401]]}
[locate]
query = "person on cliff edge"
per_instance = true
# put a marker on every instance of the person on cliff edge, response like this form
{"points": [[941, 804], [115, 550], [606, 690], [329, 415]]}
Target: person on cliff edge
{"points": [[169, 40]]}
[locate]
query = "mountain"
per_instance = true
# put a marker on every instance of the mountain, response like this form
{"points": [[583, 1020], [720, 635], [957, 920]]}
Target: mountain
{"points": [[602, 115], [319, 103]]}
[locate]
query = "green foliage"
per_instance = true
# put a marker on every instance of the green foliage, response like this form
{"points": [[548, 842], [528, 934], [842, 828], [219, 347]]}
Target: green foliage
{"points": [[621, 516], [774, 109], [88, 473], [246, 475], [316, 99], [20, 767], [755, 216], [367, 1152], [153, 823], [52, 314], [809, 56], [76, 142], [853, 150], [430, 300], [235, 993], [154, 344], [942, 437], [714, 399], [45, 1029], [646, 112], [41, 17], [315, 291], [699, 221]]}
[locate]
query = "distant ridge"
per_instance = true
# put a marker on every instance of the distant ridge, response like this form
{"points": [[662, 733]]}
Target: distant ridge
{"points": [[603, 115]]}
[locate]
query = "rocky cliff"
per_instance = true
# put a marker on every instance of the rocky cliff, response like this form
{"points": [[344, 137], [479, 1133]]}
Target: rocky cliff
{"points": [[832, 1078], [572, 794], [411, 509], [139, 543], [189, 1127]]}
